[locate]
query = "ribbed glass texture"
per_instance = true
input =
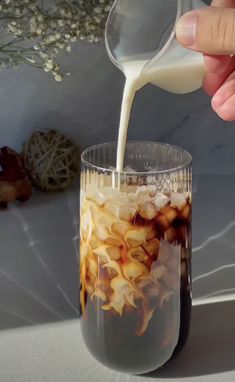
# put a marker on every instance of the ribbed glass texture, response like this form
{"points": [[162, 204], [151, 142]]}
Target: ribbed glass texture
{"points": [[135, 254]]}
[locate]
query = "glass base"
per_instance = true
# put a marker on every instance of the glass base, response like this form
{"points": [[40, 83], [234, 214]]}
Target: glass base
{"points": [[112, 341]]}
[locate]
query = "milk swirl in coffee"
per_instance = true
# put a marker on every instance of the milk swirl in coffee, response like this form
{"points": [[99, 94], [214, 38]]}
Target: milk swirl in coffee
{"points": [[135, 272]]}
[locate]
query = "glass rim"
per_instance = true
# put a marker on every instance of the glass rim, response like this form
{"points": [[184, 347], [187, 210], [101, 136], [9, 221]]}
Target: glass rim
{"points": [[185, 164]]}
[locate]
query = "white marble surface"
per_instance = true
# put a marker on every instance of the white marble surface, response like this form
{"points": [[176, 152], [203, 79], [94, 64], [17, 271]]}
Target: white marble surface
{"points": [[56, 353], [38, 265]]}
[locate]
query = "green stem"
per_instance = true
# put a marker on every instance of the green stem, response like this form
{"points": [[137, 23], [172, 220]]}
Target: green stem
{"points": [[22, 60], [18, 49], [12, 42]]}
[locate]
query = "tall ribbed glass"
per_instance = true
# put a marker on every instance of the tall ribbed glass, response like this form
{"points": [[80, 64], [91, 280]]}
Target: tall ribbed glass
{"points": [[135, 254]]}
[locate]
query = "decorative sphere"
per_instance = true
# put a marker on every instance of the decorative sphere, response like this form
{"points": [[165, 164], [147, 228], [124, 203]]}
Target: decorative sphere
{"points": [[52, 160]]}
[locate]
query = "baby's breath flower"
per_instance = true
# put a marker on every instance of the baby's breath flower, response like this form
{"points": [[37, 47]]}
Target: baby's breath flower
{"points": [[58, 77], [37, 32], [30, 59], [60, 23], [49, 64]]}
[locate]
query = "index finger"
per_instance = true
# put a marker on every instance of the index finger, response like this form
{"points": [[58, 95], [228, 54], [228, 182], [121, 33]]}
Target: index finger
{"points": [[218, 64], [214, 79]]}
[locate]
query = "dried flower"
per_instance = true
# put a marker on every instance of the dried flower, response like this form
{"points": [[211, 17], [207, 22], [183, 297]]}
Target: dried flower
{"points": [[35, 33]]}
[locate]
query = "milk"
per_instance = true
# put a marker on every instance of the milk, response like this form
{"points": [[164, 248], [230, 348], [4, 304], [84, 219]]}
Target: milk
{"points": [[175, 72], [134, 81]]}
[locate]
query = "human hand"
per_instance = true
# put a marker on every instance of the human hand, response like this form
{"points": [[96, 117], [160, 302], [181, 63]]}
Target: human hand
{"points": [[212, 31]]}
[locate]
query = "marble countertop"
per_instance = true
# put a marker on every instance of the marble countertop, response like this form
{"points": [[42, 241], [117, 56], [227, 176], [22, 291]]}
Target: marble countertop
{"points": [[39, 326], [56, 353]]}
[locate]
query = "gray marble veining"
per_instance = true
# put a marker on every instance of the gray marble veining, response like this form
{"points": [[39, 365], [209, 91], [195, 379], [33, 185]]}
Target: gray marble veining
{"points": [[38, 265], [39, 250]]}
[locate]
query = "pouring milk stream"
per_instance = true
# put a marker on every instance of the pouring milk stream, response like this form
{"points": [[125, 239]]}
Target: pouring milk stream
{"points": [[173, 68]]}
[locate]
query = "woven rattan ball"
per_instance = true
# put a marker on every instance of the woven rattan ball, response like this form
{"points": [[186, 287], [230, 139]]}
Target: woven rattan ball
{"points": [[52, 160]]}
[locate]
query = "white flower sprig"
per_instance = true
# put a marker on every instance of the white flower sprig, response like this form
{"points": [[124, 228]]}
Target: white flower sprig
{"points": [[35, 32]]}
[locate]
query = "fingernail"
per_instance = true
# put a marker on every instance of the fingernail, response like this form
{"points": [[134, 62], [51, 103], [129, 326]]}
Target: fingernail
{"points": [[186, 29], [217, 101], [225, 112]]}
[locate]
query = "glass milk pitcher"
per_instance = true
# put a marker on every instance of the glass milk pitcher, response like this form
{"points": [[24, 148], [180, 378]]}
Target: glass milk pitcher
{"points": [[144, 32]]}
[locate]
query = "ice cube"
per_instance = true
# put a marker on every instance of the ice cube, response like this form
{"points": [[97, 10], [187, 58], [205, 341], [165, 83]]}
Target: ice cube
{"points": [[109, 252], [131, 180], [99, 198], [151, 233], [132, 197], [121, 288], [134, 269], [101, 233], [161, 200], [136, 237], [100, 294], [162, 222], [92, 266], [166, 217], [151, 180], [152, 189], [100, 216], [152, 246], [178, 200], [85, 251], [147, 211], [113, 241], [186, 212], [187, 196], [113, 208], [120, 228], [142, 195], [94, 242], [138, 254], [170, 213], [120, 199], [127, 212], [141, 189]]}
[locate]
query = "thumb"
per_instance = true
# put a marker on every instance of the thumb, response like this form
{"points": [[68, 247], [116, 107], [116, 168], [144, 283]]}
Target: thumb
{"points": [[210, 30]]}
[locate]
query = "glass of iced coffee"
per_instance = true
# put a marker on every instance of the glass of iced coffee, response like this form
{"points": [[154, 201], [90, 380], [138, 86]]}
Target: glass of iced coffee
{"points": [[135, 254]]}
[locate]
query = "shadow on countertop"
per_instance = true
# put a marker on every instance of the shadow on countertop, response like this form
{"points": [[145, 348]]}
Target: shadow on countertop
{"points": [[211, 345]]}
